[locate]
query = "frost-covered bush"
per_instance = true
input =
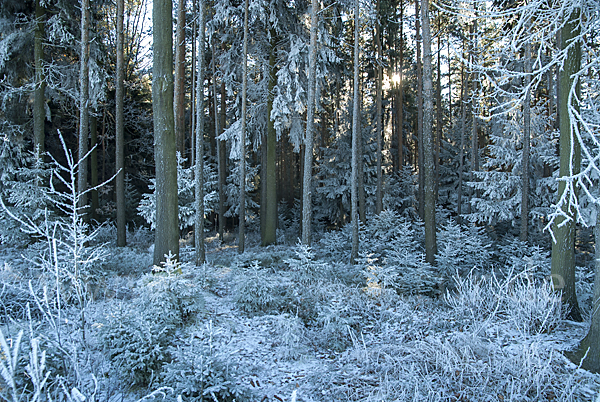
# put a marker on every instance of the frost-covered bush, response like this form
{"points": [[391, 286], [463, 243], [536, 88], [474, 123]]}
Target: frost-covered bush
{"points": [[305, 268], [201, 369], [395, 259], [136, 335], [521, 256], [462, 248], [530, 306], [256, 292], [291, 337]]}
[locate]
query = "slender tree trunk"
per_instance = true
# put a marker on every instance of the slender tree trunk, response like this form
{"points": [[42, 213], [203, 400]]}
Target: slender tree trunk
{"points": [[474, 112], [242, 213], [463, 124], [193, 86], [39, 100], [199, 166], [94, 166], [590, 345], [120, 130], [84, 103], [310, 128], [379, 123], [355, 137], [362, 207], [526, 140], [428, 142], [563, 248], [439, 117], [179, 97], [218, 126], [222, 165], [419, 113], [271, 153], [449, 82], [400, 103], [165, 143]]}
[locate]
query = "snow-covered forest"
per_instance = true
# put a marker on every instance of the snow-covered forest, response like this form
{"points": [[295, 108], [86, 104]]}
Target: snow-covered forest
{"points": [[267, 200]]}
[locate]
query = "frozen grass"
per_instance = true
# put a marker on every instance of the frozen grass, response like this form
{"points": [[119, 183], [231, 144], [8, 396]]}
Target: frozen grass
{"points": [[281, 324]]}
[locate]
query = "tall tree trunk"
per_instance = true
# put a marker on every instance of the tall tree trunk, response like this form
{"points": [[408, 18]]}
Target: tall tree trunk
{"points": [[120, 130], [362, 202], [270, 176], [439, 116], [165, 144], [428, 142], [563, 229], [590, 345], [242, 172], [355, 137], [193, 86], [222, 164], [95, 204], [526, 140], [39, 101], [474, 112], [179, 97], [310, 128], [84, 96], [379, 124], [199, 166], [400, 103], [419, 114], [463, 125]]}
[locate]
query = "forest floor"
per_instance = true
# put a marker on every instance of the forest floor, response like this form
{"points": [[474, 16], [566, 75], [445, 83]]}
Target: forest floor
{"points": [[284, 324]]}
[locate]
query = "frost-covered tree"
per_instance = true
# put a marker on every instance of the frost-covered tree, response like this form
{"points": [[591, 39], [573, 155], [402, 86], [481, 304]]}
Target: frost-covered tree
{"points": [[167, 231], [499, 182]]}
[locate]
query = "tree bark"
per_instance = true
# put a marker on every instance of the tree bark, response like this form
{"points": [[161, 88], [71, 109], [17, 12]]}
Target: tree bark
{"points": [[84, 87], [179, 97], [420, 155], [242, 212], [563, 248], [39, 100], [199, 166], [310, 128], [428, 142], [167, 221], [270, 177], [355, 137], [222, 165], [120, 130], [379, 123], [95, 204], [526, 140], [463, 124], [400, 103]]}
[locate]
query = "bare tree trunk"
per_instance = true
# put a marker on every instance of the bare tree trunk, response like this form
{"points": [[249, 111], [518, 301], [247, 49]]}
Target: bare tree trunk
{"points": [[199, 166], [310, 128], [242, 206], [222, 164], [428, 142], [84, 96], [355, 137], [526, 140], [400, 104], [95, 204], [179, 98], [165, 144], [379, 131], [419, 113], [474, 112], [270, 177], [563, 229], [193, 85], [39, 100], [463, 124], [119, 130], [440, 118]]}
